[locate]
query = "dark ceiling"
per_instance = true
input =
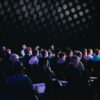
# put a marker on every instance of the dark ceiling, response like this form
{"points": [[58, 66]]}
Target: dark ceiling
{"points": [[62, 22]]}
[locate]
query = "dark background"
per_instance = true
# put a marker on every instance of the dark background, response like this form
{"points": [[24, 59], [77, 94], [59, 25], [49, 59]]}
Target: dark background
{"points": [[65, 23]]}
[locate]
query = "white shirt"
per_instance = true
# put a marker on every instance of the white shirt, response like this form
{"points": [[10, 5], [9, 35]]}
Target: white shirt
{"points": [[23, 52]]}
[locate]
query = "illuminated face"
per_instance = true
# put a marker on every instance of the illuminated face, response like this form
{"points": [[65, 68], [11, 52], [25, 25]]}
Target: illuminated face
{"points": [[9, 51], [91, 52], [46, 55], [24, 46]]}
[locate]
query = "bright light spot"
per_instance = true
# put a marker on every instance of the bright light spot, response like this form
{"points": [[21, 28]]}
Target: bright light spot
{"points": [[34, 17], [61, 15], [51, 7], [43, 4], [29, 6], [57, 3], [84, 4], [83, 19], [75, 16], [26, 15], [24, 8], [78, 7], [6, 3], [40, 13], [21, 2], [32, 11], [59, 9], [70, 4], [15, 5], [27, 1], [54, 12], [86, 10], [35, 2], [64, 6], [73, 10], [8, 9], [38, 7], [42, 19], [69, 18], [67, 12], [81, 13]]}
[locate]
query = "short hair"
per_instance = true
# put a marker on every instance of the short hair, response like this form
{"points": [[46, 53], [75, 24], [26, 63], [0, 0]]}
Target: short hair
{"points": [[17, 67], [61, 54], [27, 50], [89, 51], [97, 51], [74, 58], [14, 57], [35, 52], [78, 53]]}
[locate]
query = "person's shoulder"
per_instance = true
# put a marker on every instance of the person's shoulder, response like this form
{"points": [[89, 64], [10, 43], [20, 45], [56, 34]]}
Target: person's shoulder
{"points": [[26, 77], [81, 63]]}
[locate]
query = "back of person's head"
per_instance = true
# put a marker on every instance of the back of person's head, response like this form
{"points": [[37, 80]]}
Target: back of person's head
{"points": [[89, 51], [44, 53], [97, 52], [14, 57], [69, 52], [74, 60], [61, 54], [17, 67], [8, 51], [43, 62], [35, 52], [28, 51], [24, 46], [52, 47], [78, 54]]}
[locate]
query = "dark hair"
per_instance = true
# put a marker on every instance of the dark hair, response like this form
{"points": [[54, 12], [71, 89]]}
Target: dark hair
{"points": [[96, 51], [17, 67], [74, 58], [43, 61]]}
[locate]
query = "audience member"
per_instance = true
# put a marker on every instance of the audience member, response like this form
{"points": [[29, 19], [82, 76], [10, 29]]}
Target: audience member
{"points": [[23, 50], [18, 73]]}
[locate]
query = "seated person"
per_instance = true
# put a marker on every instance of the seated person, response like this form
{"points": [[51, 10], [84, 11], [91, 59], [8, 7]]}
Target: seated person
{"points": [[18, 86]]}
